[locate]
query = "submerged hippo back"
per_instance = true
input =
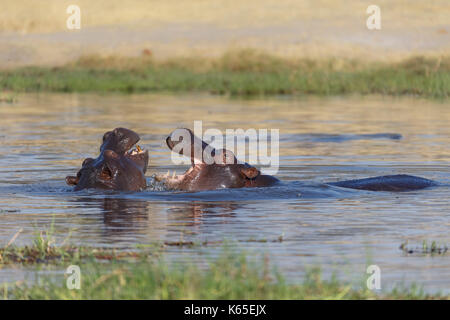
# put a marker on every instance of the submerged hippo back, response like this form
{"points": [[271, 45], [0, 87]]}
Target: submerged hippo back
{"points": [[400, 182]]}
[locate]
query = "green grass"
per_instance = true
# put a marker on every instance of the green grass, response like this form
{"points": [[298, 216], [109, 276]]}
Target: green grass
{"points": [[237, 73], [231, 276], [427, 249], [142, 273], [147, 276], [44, 251]]}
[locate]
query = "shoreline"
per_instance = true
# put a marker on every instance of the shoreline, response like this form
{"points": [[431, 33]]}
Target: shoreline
{"points": [[237, 73], [144, 274]]}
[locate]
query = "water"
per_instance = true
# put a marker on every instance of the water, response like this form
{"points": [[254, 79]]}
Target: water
{"points": [[45, 137]]}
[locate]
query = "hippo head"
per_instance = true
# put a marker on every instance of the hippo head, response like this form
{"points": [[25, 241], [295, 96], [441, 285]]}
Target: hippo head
{"points": [[211, 168], [118, 167]]}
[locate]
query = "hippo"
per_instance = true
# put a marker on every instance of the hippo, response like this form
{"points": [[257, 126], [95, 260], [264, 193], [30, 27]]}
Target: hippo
{"points": [[215, 169], [118, 167], [393, 183], [220, 170]]}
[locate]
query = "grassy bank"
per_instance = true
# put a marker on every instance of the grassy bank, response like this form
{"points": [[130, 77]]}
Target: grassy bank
{"points": [[143, 274], [237, 73], [229, 277]]}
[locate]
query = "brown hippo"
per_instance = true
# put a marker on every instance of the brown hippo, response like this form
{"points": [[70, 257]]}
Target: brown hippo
{"points": [[211, 168], [118, 167], [215, 169]]}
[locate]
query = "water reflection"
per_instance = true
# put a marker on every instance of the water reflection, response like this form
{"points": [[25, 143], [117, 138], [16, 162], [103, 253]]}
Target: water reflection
{"points": [[124, 216], [195, 213]]}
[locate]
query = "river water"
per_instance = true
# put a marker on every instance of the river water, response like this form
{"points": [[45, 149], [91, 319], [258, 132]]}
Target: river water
{"points": [[45, 137]]}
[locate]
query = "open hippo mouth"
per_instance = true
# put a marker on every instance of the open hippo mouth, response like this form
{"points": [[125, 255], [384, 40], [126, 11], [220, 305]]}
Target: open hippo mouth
{"points": [[121, 165], [210, 168]]}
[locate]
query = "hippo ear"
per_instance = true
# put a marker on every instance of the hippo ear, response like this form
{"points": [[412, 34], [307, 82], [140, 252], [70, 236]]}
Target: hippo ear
{"points": [[250, 172], [71, 180]]}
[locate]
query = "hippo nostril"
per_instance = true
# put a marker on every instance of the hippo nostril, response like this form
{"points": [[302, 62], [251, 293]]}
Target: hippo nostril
{"points": [[169, 143], [106, 135]]}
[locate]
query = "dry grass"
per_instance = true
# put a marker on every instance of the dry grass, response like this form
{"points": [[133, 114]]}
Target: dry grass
{"points": [[251, 60], [289, 28], [50, 15]]}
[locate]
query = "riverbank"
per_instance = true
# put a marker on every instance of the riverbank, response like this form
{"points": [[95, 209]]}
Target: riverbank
{"points": [[142, 273], [242, 73]]}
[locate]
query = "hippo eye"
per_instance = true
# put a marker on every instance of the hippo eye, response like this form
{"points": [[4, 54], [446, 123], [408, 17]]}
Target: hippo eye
{"points": [[106, 173]]}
